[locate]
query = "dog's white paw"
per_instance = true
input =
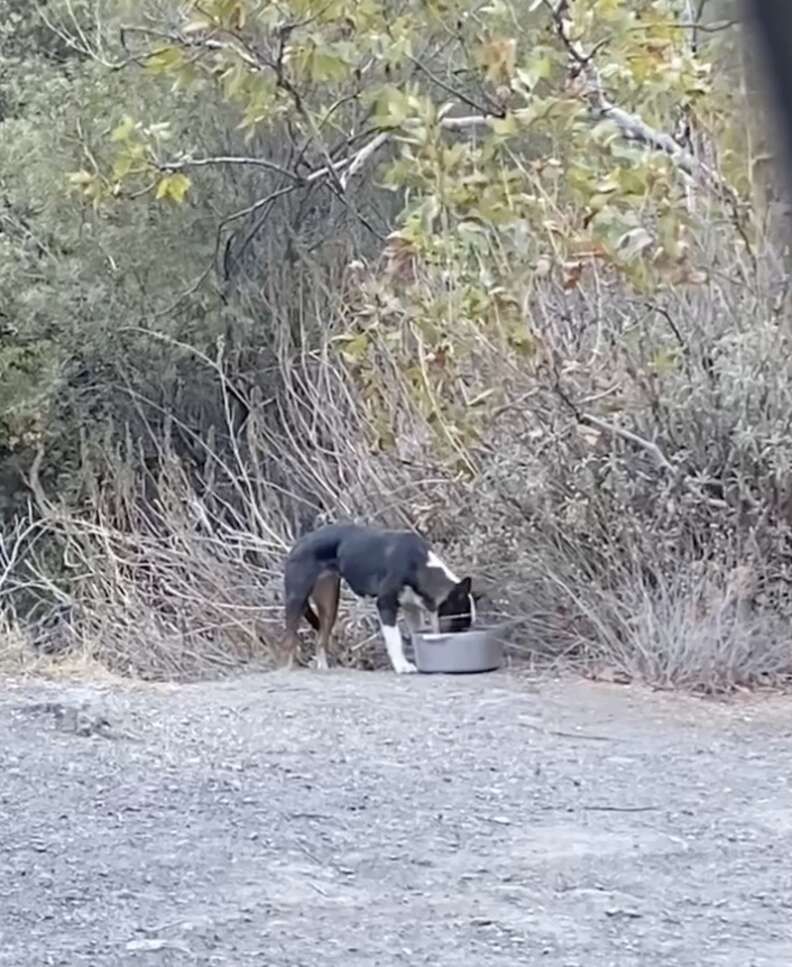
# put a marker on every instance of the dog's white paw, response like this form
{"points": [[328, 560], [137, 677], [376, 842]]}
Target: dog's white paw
{"points": [[406, 669]]}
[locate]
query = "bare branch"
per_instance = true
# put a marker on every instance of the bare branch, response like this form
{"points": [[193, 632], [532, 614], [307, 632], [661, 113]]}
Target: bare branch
{"points": [[362, 157], [712, 28], [454, 92], [470, 121], [189, 162], [590, 420], [12, 545], [77, 40], [634, 128]]}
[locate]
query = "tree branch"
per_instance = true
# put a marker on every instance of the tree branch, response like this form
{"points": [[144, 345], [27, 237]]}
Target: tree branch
{"points": [[189, 162], [362, 156], [460, 95], [631, 126], [590, 420]]}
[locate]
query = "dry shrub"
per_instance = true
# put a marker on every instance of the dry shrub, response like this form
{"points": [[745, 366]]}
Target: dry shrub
{"points": [[648, 442], [175, 571], [699, 629], [161, 588], [17, 655], [627, 469]]}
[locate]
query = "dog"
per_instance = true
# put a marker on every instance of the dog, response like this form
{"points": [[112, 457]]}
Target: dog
{"points": [[398, 568]]}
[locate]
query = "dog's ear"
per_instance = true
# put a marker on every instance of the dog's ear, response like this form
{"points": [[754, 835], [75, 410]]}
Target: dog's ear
{"points": [[464, 586]]}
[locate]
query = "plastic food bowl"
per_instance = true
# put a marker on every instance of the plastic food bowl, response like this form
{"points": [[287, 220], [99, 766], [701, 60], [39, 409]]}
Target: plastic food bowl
{"points": [[477, 650]]}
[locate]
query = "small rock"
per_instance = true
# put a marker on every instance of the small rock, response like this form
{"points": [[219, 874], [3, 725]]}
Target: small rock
{"points": [[156, 944]]}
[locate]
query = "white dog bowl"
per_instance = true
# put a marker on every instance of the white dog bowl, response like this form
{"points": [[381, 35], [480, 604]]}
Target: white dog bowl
{"points": [[477, 650]]}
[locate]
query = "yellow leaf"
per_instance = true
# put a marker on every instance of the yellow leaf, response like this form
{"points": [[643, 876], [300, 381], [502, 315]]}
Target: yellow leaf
{"points": [[122, 165], [607, 185], [179, 186], [196, 26], [122, 131], [173, 186], [664, 360], [521, 340], [608, 8], [498, 58], [82, 177]]}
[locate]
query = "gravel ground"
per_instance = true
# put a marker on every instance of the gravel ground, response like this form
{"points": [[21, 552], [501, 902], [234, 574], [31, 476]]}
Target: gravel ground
{"points": [[364, 819]]}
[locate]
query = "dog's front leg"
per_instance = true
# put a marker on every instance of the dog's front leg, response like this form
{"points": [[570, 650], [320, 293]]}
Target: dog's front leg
{"points": [[388, 607], [413, 617]]}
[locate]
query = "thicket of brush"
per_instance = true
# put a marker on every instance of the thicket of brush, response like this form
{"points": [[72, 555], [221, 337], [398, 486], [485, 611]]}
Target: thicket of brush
{"points": [[610, 456]]}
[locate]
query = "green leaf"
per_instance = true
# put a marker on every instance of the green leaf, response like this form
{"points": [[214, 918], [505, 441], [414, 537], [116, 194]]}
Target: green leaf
{"points": [[633, 243], [328, 66], [354, 346], [537, 67], [233, 80], [164, 59], [505, 127], [392, 108]]}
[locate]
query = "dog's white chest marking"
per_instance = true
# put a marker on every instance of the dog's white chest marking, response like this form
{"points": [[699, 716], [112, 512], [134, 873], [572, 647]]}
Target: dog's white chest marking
{"points": [[432, 560]]}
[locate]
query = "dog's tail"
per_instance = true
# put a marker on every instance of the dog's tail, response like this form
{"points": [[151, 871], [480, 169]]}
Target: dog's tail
{"points": [[311, 617]]}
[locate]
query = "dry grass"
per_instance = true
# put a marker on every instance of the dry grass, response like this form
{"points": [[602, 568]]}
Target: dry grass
{"points": [[20, 658], [699, 633], [17, 655]]}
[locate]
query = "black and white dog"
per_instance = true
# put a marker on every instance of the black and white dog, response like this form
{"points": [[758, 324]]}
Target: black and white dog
{"points": [[395, 567]]}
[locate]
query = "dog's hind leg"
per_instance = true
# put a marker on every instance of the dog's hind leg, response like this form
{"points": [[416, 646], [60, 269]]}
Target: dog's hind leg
{"points": [[325, 595], [291, 640], [298, 580]]}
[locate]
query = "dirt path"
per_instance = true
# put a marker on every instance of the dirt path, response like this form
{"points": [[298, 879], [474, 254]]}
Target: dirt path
{"points": [[362, 819]]}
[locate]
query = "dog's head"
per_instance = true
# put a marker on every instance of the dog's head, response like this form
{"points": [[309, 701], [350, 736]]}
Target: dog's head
{"points": [[457, 611]]}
